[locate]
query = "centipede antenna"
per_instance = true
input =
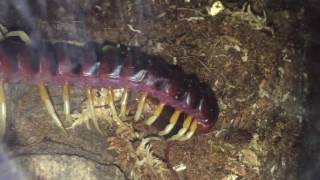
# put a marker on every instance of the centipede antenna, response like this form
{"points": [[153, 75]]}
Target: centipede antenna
{"points": [[3, 113], [183, 130], [124, 102], [114, 113], [140, 107], [66, 101], [190, 133], [21, 34], [47, 101], [91, 109], [156, 114], [173, 121]]}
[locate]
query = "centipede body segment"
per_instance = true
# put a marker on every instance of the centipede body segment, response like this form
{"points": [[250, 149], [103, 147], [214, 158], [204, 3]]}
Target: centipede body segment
{"points": [[193, 104]]}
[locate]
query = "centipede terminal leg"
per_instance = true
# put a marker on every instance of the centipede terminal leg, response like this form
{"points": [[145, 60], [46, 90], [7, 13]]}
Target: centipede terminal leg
{"points": [[21, 34], [4, 33]]}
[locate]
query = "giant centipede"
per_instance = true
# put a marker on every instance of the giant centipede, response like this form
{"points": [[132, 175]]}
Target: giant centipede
{"points": [[191, 103]]}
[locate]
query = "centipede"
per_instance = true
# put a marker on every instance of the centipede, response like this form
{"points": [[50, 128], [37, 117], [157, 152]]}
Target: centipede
{"points": [[190, 104]]}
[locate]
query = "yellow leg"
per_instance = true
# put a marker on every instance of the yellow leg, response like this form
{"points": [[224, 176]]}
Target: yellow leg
{"points": [[113, 107], [21, 34], [124, 102], [156, 114], [91, 108], [46, 99], [3, 31], [66, 101], [173, 121], [191, 131], [3, 113], [183, 130], [140, 107]]}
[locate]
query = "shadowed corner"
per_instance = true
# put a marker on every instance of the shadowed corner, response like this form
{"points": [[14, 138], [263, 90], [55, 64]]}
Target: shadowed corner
{"points": [[8, 168], [308, 164]]}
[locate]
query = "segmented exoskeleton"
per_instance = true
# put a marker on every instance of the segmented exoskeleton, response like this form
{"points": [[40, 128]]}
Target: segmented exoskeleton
{"points": [[193, 104]]}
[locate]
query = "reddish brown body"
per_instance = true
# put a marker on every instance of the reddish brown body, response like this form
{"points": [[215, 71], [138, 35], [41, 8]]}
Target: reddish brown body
{"points": [[109, 65]]}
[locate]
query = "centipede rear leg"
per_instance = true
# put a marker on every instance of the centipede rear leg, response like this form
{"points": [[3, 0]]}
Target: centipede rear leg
{"points": [[5, 33]]}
